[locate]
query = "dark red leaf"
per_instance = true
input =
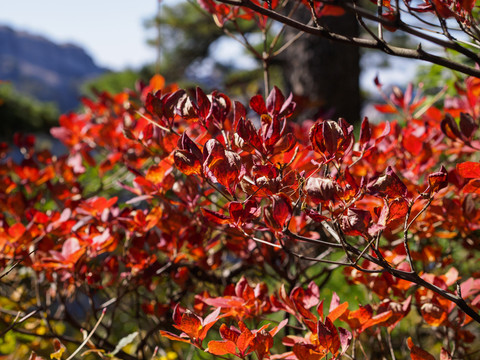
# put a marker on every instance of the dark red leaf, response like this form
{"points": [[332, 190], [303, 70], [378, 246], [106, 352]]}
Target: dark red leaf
{"points": [[281, 209], [365, 132], [215, 217], [204, 106], [388, 185], [467, 126], [258, 105], [450, 128]]}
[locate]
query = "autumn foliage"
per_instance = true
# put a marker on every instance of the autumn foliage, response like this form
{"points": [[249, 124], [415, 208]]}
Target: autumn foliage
{"points": [[183, 219], [202, 201]]}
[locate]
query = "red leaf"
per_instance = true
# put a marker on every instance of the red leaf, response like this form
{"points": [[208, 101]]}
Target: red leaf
{"points": [[331, 10], [365, 132], [215, 217], [330, 138], [438, 180], [328, 336], [433, 314], [386, 109], [185, 143], [322, 190], [239, 112], [241, 213], [258, 105], [16, 231], [222, 166], [187, 163], [281, 209], [248, 133], [398, 208], [356, 222], [467, 126], [204, 106], [358, 317], [377, 319], [209, 321], [315, 215], [175, 337], [277, 328], [469, 169], [388, 185]]}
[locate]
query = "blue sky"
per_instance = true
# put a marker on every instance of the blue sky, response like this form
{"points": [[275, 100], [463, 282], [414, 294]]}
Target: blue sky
{"points": [[111, 31]]}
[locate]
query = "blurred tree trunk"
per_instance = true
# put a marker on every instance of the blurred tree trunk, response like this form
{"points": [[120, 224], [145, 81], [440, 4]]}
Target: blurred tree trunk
{"points": [[325, 73]]}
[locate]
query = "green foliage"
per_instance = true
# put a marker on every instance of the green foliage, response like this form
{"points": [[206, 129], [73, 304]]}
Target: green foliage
{"points": [[435, 77], [20, 113], [112, 82], [185, 36]]}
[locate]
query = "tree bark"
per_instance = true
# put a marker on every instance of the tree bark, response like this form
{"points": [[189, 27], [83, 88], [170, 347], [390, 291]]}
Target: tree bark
{"points": [[323, 73]]}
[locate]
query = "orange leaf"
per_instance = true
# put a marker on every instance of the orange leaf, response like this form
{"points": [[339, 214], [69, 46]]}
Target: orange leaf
{"points": [[187, 163], [338, 311], [16, 231], [307, 352], [228, 334], [221, 347], [190, 324], [171, 336], [417, 353], [157, 82], [245, 338], [433, 314], [473, 186], [377, 319]]}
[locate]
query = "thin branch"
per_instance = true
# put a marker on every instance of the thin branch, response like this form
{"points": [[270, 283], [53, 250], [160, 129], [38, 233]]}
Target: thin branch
{"points": [[405, 238], [89, 335], [287, 232]]}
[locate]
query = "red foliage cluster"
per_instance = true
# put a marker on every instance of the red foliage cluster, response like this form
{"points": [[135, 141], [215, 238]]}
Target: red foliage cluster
{"points": [[205, 190]]}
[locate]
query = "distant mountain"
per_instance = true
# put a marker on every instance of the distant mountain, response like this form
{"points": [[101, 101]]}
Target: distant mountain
{"points": [[43, 69]]}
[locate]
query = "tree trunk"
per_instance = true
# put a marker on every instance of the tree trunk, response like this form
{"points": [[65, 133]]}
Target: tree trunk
{"points": [[325, 74]]}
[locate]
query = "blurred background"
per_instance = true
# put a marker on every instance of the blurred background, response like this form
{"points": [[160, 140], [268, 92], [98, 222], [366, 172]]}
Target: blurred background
{"points": [[54, 52]]}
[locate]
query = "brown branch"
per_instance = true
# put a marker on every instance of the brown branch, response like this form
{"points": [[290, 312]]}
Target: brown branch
{"points": [[418, 53]]}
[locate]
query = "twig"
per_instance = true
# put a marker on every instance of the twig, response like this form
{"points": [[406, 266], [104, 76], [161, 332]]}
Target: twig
{"points": [[89, 335]]}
